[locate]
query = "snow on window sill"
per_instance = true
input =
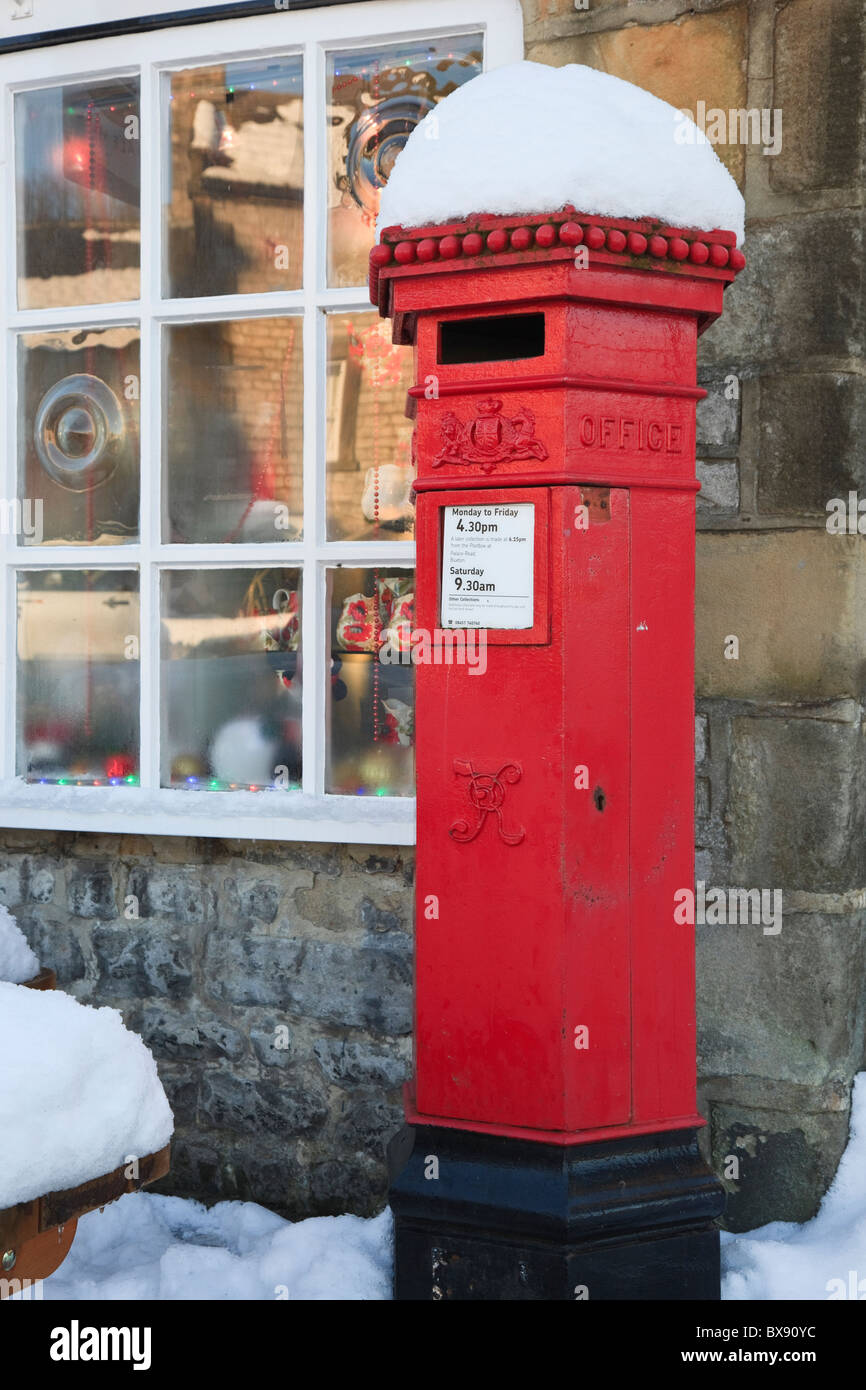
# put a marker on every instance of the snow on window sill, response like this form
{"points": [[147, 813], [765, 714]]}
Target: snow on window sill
{"points": [[266, 815]]}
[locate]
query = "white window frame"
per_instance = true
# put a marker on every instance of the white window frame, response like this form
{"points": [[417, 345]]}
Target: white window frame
{"points": [[308, 814]]}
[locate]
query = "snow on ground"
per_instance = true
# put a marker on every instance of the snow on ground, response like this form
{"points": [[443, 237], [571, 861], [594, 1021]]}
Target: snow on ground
{"points": [[17, 961], [79, 1094], [785, 1260], [532, 138], [149, 1247]]}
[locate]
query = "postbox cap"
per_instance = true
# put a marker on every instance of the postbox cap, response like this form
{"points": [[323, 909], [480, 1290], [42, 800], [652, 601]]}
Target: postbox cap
{"points": [[488, 177], [529, 138]]}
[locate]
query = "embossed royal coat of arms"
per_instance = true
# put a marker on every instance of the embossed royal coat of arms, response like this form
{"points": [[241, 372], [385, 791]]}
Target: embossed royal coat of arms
{"points": [[489, 438]]}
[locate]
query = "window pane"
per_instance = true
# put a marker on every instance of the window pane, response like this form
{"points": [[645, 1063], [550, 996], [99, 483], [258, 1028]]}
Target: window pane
{"points": [[233, 431], [375, 99], [77, 162], [78, 676], [371, 712], [368, 438], [231, 679], [78, 418], [234, 210]]}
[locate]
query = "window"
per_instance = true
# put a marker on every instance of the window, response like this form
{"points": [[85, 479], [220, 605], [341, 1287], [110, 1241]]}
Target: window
{"points": [[207, 524]]}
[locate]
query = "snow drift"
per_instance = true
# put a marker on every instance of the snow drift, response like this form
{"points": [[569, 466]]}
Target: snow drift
{"points": [[17, 961], [79, 1094]]}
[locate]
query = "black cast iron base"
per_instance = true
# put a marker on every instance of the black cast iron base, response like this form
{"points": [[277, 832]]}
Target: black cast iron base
{"points": [[478, 1216]]}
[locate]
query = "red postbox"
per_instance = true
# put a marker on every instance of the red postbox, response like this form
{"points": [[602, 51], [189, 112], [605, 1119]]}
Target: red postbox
{"points": [[552, 1116]]}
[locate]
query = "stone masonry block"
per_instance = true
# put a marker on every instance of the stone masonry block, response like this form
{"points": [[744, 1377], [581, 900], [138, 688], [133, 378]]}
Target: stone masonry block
{"points": [[720, 488], [250, 899], [249, 969], [192, 1035], [799, 297], [794, 601], [166, 891], [368, 987], [796, 804], [811, 442], [138, 962], [818, 84], [352, 1064], [788, 1007], [90, 890], [718, 417], [702, 733], [248, 1107], [339, 905], [785, 1162], [368, 1122], [363, 986]]}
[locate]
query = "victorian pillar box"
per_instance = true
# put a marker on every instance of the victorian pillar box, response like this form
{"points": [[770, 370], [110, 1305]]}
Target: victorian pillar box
{"points": [[554, 408]]}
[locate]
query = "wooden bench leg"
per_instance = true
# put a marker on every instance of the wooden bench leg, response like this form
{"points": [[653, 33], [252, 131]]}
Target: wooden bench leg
{"points": [[38, 1257]]}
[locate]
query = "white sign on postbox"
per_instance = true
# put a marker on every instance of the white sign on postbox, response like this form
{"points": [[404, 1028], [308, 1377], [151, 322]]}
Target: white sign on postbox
{"points": [[488, 563]]}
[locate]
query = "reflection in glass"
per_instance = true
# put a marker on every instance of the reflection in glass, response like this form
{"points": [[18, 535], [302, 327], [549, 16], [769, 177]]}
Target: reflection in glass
{"points": [[371, 706], [375, 98], [77, 165], [369, 439], [231, 679], [234, 211], [233, 431], [78, 416], [78, 683]]}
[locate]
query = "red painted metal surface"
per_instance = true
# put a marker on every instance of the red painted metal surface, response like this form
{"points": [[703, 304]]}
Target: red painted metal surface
{"points": [[554, 991]]}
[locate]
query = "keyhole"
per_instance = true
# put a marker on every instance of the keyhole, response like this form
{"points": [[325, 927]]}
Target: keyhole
{"points": [[598, 798]]}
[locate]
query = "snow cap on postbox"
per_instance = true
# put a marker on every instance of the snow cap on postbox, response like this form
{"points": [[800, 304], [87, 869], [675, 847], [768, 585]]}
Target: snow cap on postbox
{"points": [[528, 138]]}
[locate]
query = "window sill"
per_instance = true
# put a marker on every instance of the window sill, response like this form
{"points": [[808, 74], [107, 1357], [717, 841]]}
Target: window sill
{"points": [[272, 815]]}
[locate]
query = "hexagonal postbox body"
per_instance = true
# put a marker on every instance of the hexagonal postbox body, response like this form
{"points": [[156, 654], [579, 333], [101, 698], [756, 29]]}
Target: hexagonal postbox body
{"points": [[554, 437]]}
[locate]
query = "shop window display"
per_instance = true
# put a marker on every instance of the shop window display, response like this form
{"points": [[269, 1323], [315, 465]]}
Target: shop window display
{"points": [[210, 442]]}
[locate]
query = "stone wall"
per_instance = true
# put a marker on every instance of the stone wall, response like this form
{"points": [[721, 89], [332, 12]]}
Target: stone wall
{"points": [[780, 794], [273, 984]]}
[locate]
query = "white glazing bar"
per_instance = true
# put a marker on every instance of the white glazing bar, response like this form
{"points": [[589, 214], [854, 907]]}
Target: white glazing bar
{"points": [[193, 555], [9, 614], [312, 638], [75, 316], [55, 557], [8, 434], [349, 299], [231, 306], [364, 554], [9, 270], [150, 414]]}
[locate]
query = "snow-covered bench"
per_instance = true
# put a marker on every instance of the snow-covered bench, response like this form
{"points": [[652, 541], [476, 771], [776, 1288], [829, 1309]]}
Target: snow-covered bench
{"points": [[83, 1116]]}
